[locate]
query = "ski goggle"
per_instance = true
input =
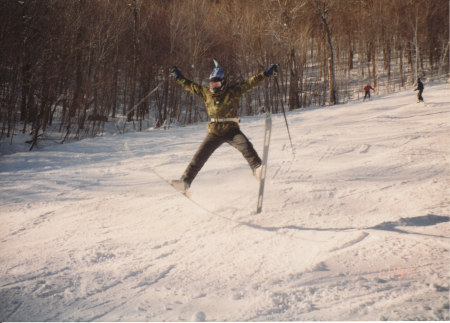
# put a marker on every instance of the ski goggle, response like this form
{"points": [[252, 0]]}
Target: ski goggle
{"points": [[215, 84]]}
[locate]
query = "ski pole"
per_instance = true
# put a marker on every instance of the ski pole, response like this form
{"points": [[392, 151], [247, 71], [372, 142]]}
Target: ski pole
{"points": [[140, 101], [284, 113]]}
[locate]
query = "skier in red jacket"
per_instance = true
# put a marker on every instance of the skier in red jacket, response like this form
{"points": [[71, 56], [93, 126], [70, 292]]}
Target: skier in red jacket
{"points": [[367, 88]]}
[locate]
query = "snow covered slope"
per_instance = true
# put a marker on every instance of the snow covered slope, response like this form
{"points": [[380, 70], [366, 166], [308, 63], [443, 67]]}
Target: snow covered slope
{"points": [[355, 227]]}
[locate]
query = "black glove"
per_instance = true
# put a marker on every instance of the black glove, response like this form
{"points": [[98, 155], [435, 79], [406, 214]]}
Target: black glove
{"points": [[175, 72], [271, 69]]}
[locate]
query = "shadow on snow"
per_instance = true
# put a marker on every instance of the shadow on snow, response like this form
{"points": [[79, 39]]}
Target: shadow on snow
{"points": [[419, 221]]}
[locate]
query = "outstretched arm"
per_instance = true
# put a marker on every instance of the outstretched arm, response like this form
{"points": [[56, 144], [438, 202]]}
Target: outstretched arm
{"points": [[188, 85], [245, 86], [255, 80]]}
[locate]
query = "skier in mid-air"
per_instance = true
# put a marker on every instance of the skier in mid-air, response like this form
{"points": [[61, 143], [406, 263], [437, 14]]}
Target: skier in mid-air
{"points": [[420, 89], [367, 88], [222, 102]]}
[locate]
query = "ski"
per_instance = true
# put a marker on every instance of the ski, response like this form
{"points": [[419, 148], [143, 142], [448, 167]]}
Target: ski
{"points": [[187, 195], [173, 184], [178, 185], [267, 133]]}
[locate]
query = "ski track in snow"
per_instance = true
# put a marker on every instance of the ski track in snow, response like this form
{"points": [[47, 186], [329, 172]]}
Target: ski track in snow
{"points": [[355, 227]]}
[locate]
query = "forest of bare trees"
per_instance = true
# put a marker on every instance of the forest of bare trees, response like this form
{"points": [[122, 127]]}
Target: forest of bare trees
{"points": [[83, 62]]}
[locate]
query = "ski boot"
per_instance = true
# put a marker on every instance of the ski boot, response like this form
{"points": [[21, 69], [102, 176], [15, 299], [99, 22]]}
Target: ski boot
{"points": [[257, 172], [180, 185]]}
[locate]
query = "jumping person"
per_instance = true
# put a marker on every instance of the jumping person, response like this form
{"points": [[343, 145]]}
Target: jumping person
{"points": [[222, 102], [367, 88]]}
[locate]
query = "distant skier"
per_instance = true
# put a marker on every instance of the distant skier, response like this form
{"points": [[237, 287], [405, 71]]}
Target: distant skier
{"points": [[420, 89], [222, 102], [367, 88]]}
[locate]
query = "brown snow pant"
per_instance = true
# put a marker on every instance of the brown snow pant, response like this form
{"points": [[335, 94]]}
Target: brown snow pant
{"points": [[419, 96], [235, 138]]}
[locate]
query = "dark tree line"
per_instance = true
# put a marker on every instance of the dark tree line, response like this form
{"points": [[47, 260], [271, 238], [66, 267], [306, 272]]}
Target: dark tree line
{"points": [[83, 62]]}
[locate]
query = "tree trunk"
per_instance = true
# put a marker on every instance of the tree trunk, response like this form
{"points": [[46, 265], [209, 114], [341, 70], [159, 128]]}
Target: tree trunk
{"points": [[134, 69], [374, 69], [402, 77], [331, 68], [294, 102], [331, 82]]}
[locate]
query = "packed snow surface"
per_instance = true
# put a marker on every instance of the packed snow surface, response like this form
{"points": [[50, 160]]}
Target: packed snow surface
{"points": [[354, 223]]}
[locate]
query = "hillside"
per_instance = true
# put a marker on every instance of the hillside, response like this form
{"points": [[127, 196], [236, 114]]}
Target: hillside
{"points": [[354, 226]]}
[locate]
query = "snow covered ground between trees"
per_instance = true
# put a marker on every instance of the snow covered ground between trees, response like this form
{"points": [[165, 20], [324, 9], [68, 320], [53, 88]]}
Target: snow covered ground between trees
{"points": [[354, 227]]}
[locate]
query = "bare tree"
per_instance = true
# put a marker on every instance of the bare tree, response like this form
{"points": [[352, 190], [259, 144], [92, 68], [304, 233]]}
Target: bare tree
{"points": [[82, 62], [323, 8]]}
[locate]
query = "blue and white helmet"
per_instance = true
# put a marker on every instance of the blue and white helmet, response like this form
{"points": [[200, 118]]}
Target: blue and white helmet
{"points": [[217, 73]]}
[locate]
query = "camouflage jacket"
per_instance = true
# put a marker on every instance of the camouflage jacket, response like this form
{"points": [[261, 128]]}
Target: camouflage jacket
{"points": [[223, 104]]}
